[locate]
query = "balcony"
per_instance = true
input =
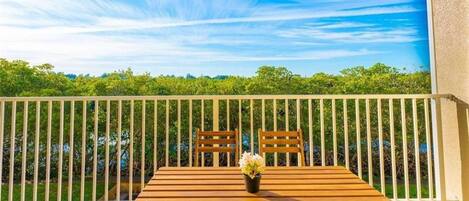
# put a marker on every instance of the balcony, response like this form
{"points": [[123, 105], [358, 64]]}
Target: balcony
{"points": [[107, 148]]}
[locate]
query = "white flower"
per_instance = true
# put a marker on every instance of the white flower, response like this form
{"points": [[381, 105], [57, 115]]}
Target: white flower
{"points": [[251, 165]]}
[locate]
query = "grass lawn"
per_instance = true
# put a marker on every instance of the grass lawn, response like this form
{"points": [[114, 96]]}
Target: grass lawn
{"points": [[401, 190], [100, 191], [53, 191]]}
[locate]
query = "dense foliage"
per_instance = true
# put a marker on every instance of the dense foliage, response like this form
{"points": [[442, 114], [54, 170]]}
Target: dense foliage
{"points": [[18, 78]]}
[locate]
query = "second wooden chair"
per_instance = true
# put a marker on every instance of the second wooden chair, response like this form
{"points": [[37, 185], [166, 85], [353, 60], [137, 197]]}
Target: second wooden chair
{"points": [[282, 142]]}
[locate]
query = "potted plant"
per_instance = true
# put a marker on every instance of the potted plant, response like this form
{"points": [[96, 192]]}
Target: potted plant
{"points": [[252, 166]]}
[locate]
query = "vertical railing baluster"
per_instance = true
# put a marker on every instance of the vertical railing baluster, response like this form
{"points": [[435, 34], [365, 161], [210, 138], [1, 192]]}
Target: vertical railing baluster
{"points": [[95, 148], [155, 136], [381, 149], [202, 128], [179, 133], [228, 158], [118, 144], [131, 150], [48, 150], [262, 121], [368, 142], [346, 146], [429, 150], [24, 149], [310, 132], [334, 132], [393, 149], [416, 148], [216, 127], [298, 126], [36, 147], [106, 146], [167, 134], [83, 152], [251, 123], [61, 149], [12, 151], [142, 162], [287, 128], [359, 145], [190, 133], [404, 148], [240, 125], [275, 129], [323, 142], [71, 150], [2, 127]]}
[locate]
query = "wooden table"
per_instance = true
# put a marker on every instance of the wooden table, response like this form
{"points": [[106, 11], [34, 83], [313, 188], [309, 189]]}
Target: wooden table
{"points": [[278, 183]]}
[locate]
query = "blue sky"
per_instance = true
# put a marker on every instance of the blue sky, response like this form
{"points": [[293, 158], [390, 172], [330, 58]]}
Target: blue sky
{"points": [[204, 37]]}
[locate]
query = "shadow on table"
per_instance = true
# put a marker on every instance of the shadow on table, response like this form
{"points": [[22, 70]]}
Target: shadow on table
{"points": [[268, 195]]}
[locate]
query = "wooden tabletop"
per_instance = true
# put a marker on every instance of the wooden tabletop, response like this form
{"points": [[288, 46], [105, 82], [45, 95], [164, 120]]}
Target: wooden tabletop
{"points": [[330, 183]]}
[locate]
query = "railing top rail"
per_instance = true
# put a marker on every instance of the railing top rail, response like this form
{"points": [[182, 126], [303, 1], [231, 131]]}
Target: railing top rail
{"points": [[231, 97]]}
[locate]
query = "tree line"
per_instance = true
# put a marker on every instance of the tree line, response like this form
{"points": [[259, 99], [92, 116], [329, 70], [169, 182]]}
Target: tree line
{"points": [[19, 78]]}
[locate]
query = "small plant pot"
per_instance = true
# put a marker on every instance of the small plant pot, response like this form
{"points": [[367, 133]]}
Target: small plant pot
{"points": [[252, 185]]}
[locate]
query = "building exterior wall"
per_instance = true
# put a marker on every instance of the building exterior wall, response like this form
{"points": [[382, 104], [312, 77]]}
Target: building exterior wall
{"points": [[451, 75]]}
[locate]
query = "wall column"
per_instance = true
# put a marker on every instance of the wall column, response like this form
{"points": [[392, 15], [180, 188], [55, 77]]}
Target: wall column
{"points": [[449, 43]]}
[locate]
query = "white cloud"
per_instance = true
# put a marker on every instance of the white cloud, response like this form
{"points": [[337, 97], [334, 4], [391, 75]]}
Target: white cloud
{"points": [[117, 24], [342, 25], [369, 35], [97, 16], [310, 55]]}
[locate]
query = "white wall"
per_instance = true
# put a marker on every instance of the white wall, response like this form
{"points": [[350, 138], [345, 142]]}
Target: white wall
{"points": [[451, 75]]}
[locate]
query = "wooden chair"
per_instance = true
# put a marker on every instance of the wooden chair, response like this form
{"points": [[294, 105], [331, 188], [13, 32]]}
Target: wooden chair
{"points": [[227, 142], [285, 141]]}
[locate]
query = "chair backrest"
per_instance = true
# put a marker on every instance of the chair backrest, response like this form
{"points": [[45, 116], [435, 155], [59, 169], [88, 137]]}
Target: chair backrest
{"points": [[282, 142], [216, 141]]}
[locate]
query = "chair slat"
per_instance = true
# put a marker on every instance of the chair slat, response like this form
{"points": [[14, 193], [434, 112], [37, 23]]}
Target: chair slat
{"points": [[281, 149], [280, 141], [216, 133], [216, 149], [280, 133], [217, 141]]}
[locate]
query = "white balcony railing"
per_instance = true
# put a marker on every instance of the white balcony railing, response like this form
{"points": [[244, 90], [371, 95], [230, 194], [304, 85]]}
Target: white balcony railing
{"points": [[86, 148]]}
